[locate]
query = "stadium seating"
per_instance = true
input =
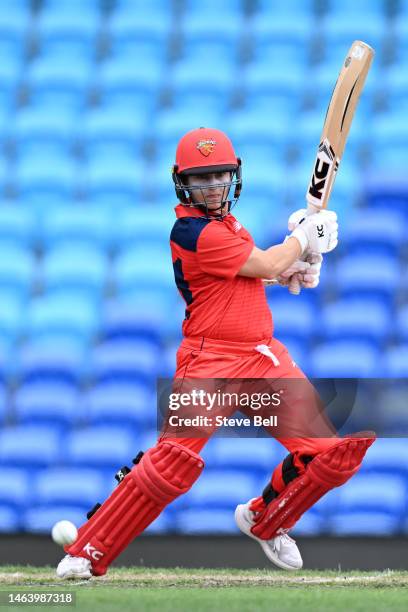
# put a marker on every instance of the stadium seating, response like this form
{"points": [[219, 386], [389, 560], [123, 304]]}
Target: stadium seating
{"points": [[93, 98]]}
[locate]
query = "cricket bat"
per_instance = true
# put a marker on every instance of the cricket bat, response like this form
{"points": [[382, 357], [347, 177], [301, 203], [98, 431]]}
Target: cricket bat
{"points": [[336, 127]]}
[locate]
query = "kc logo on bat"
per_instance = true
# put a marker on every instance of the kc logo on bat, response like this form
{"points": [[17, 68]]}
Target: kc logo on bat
{"points": [[321, 172]]}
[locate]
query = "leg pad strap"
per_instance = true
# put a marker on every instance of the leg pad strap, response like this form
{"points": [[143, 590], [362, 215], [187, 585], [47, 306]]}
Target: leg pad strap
{"points": [[327, 470], [164, 472]]}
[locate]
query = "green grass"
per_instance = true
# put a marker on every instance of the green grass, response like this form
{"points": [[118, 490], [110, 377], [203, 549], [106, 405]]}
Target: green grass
{"points": [[168, 590]]}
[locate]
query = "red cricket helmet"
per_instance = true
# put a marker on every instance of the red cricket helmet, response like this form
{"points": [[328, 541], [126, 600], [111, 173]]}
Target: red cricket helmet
{"points": [[201, 151]]}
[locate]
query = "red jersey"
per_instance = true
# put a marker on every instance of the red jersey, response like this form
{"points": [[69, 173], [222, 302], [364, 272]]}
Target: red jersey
{"points": [[207, 256]]}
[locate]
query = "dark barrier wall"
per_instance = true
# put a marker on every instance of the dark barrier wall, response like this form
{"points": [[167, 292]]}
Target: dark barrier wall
{"points": [[227, 551]]}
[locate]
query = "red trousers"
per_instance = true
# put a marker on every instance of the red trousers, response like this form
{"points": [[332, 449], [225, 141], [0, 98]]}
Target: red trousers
{"points": [[203, 358]]}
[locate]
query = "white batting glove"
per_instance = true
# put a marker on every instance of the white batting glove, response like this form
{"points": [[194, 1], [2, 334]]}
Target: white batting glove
{"points": [[304, 268], [295, 218], [310, 278], [317, 233]]}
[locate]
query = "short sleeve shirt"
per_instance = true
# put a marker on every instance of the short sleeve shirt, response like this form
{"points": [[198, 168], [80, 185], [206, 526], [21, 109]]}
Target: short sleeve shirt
{"points": [[207, 255]]}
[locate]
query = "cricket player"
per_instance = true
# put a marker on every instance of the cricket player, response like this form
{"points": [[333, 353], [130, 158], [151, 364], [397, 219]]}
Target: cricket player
{"points": [[228, 333]]}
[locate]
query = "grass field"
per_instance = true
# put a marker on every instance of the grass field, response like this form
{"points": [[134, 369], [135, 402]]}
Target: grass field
{"points": [[244, 590]]}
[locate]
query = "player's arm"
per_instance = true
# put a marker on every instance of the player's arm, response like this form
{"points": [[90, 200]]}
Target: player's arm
{"points": [[271, 262], [317, 233]]}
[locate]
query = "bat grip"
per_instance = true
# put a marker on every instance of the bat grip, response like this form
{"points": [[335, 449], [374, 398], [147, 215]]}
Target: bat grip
{"points": [[294, 284]]}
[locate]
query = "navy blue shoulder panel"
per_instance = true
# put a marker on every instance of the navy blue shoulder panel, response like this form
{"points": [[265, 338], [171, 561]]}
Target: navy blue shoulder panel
{"points": [[187, 230]]}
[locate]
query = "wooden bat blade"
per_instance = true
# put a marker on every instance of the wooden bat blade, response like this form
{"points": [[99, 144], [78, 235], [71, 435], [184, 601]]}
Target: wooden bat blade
{"points": [[337, 123]]}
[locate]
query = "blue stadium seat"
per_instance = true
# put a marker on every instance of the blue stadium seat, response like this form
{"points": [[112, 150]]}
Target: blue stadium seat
{"points": [[374, 491], [131, 50], [53, 175], [360, 273], [396, 361], [261, 77], [17, 269], [382, 231], [75, 266], [59, 75], [364, 9], [250, 454], [68, 19], [345, 359], [120, 402], [64, 314], [370, 523], [127, 360], [164, 523], [402, 322], [388, 456], [344, 28], [126, 24], [66, 486], [196, 521], [113, 125], [221, 489], [245, 127], [292, 317], [136, 268], [312, 523], [214, 37], [39, 125], [36, 446], [86, 224], [107, 447], [170, 125], [282, 29], [114, 176], [135, 86], [4, 403], [41, 519], [184, 77], [47, 403], [357, 318], [390, 407], [11, 316], [51, 361], [9, 519], [282, 8], [388, 128], [17, 224], [14, 487], [126, 321], [299, 350], [211, 9], [150, 224], [378, 498], [141, 304], [90, 8], [15, 20]]}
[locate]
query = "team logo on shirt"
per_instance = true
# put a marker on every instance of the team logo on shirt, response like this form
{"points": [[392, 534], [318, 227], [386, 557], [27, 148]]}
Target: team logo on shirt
{"points": [[206, 146], [236, 226]]}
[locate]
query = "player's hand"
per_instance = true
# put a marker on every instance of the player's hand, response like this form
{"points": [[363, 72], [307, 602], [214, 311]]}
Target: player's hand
{"points": [[295, 218], [302, 267], [317, 232], [310, 278]]}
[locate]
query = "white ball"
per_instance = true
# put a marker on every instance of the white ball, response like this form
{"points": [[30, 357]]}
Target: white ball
{"points": [[64, 532]]}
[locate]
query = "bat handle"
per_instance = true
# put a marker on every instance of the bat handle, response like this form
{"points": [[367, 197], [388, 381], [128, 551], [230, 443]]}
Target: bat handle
{"points": [[294, 284]]}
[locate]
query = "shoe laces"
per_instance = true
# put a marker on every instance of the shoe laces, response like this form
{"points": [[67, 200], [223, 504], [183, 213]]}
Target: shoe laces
{"points": [[280, 540]]}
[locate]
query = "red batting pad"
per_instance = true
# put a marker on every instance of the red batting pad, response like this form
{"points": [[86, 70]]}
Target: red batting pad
{"points": [[164, 472], [329, 469]]}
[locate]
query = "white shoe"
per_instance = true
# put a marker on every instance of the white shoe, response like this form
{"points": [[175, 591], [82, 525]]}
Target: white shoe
{"points": [[281, 550], [74, 567]]}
